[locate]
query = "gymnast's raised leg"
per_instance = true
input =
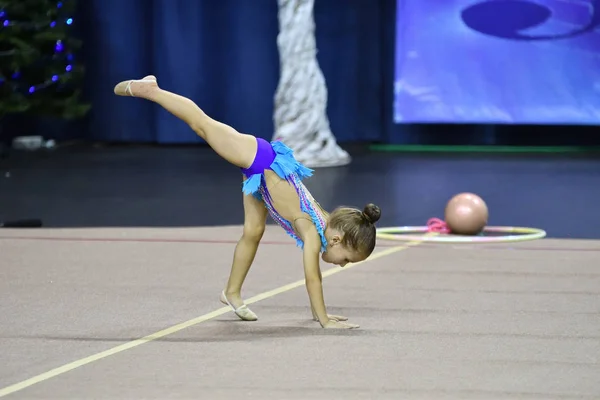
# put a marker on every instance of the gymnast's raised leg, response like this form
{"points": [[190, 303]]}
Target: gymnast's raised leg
{"points": [[237, 148]]}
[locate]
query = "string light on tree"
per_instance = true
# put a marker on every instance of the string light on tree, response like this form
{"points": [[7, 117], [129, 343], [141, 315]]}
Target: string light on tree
{"points": [[58, 48], [38, 70]]}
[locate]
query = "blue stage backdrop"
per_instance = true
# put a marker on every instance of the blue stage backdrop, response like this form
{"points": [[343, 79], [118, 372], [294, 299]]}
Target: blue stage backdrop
{"points": [[223, 55], [498, 61]]}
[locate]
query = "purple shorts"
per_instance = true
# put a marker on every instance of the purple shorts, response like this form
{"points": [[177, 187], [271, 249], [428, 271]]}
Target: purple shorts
{"points": [[262, 160]]}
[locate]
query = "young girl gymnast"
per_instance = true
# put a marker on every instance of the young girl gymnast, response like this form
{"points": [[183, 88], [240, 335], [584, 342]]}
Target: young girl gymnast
{"points": [[272, 184]]}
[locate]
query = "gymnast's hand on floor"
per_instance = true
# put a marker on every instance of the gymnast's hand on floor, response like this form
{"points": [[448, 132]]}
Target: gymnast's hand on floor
{"points": [[333, 317], [333, 324], [330, 316]]}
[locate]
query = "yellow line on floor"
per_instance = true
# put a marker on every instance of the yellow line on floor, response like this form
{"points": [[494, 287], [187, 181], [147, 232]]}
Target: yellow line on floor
{"points": [[184, 325]]}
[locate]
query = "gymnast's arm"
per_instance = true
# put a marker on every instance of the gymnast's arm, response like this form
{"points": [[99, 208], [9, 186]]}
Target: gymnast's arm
{"points": [[312, 270]]}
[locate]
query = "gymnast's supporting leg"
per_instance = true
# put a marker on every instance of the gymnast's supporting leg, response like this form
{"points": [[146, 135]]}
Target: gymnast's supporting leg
{"points": [[255, 219], [237, 148]]}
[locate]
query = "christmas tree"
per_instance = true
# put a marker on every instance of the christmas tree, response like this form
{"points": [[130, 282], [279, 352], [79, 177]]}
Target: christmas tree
{"points": [[39, 72]]}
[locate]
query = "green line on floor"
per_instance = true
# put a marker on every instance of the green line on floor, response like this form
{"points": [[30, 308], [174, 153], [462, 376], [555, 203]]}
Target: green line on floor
{"points": [[417, 148]]}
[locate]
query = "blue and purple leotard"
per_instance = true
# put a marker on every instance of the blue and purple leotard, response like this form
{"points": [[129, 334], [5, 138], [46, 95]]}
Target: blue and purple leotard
{"points": [[279, 158]]}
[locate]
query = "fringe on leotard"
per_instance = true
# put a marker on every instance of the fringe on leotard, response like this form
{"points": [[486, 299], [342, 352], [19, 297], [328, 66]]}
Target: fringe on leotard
{"points": [[288, 168]]}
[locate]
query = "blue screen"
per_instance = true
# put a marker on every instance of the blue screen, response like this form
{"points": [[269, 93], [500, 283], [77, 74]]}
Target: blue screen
{"points": [[497, 61]]}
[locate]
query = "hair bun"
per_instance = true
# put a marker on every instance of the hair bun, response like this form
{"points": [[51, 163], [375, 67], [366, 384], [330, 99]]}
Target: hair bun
{"points": [[372, 213]]}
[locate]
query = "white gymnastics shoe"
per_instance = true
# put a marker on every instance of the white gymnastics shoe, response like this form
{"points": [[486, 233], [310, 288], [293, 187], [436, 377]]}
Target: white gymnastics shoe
{"points": [[144, 85], [243, 311]]}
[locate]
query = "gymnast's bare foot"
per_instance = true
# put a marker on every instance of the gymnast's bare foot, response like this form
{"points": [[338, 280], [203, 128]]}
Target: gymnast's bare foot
{"points": [[137, 87]]}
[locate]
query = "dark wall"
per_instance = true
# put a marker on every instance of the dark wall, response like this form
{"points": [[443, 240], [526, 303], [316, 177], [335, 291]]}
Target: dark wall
{"points": [[223, 55]]}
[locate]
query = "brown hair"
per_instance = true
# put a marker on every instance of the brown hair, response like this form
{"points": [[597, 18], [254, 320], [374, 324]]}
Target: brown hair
{"points": [[357, 226]]}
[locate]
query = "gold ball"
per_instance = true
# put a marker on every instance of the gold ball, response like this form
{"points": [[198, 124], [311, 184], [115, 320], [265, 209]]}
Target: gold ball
{"points": [[466, 214]]}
